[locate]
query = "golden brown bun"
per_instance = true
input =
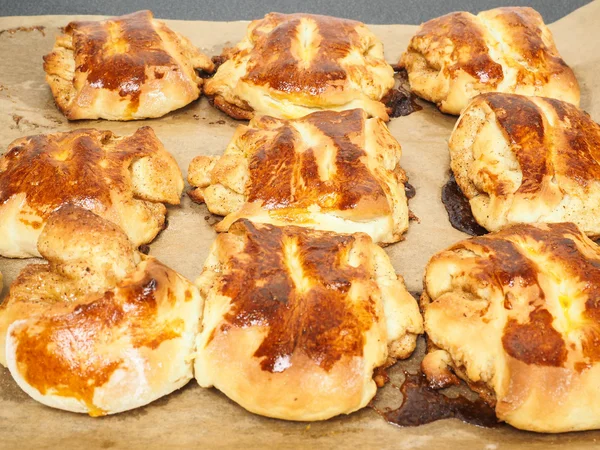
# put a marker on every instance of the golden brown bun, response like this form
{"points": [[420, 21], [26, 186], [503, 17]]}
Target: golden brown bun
{"points": [[296, 320], [516, 314], [455, 57], [101, 328], [125, 68], [528, 159], [123, 179], [336, 171], [290, 65]]}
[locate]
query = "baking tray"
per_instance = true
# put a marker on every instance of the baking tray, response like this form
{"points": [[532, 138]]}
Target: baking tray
{"points": [[194, 416]]}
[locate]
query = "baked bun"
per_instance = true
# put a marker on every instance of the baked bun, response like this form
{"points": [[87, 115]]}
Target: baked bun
{"points": [[296, 320], [516, 314], [336, 171], [122, 179], [455, 57], [290, 65], [528, 159], [124, 68], [101, 328]]}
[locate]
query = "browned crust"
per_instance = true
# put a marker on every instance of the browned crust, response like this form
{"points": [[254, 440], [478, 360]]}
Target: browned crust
{"points": [[282, 177], [317, 320], [230, 109], [83, 167], [273, 63]]}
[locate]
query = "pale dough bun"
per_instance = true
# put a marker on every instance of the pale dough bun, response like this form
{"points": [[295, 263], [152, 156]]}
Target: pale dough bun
{"points": [[296, 320], [516, 315], [123, 179], [124, 68], [336, 171], [528, 159], [290, 65], [453, 58], [100, 328]]}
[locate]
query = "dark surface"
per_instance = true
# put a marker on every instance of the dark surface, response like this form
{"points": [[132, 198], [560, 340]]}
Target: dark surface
{"points": [[459, 209], [422, 404], [371, 11]]}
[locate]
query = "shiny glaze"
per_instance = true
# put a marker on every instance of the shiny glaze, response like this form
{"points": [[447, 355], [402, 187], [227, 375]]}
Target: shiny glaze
{"points": [[571, 148], [275, 59], [282, 177], [534, 339], [116, 53], [81, 167], [469, 52], [66, 354], [317, 318]]}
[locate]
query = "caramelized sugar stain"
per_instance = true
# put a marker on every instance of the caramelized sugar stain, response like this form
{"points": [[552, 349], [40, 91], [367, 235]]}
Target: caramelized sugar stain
{"points": [[282, 178], [409, 190], [400, 101], [316, 317], [459, 210], [422, 404]]}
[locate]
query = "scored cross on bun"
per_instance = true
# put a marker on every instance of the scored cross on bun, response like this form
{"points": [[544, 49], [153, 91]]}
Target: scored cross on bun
{"points": [[290, 65]]}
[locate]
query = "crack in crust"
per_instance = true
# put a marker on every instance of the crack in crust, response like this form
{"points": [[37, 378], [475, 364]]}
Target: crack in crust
{"points": [[528, 159], [516, 314], [122, 179], [336, 171], [125, 68], [453, 58], [291, 65]]}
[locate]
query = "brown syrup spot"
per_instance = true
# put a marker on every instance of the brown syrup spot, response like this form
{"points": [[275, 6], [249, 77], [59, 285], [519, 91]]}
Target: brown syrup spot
{"points": [[401, 101], [459, 210], [283, 178], [59, 353], [409, 190], [422, 404], [218, 60], [12, 31], [316, 319], [380, 376]]}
